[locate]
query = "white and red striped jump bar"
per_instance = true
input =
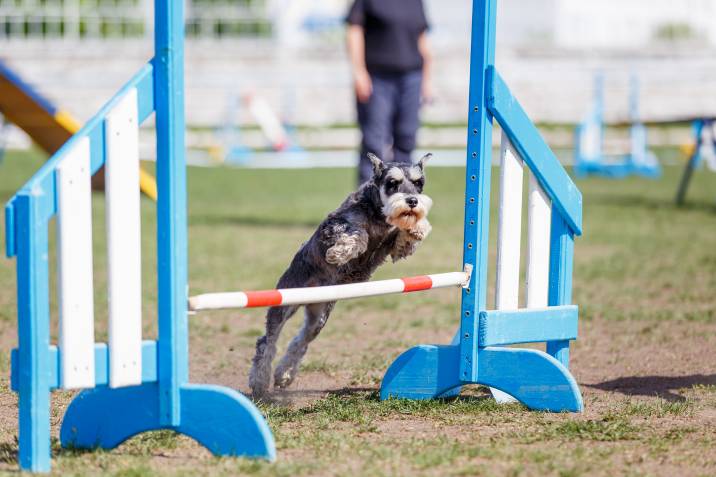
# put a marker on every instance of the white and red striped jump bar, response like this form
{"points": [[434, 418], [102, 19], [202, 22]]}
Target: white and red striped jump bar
{"points": [[303, 296]]}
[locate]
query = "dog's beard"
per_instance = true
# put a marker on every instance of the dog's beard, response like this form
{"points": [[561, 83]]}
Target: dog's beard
{"points": [[399, 214]]}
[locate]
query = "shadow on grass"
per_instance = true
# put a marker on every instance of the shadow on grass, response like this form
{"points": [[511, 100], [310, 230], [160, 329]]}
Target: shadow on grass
{"points": [[651, 203], [253, 221], [283, 397], [664, 387], [367, 394], [372, 394]]}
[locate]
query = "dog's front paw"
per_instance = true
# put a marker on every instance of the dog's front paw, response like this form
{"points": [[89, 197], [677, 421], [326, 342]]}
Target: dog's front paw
{"points": [[403, 250], [259, 383], [421, 230], [283, 378], [405, 245], [346, 248], [338, 255]]}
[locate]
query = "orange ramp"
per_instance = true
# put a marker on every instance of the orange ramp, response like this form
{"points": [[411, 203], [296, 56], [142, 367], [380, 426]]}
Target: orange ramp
{"points": [[47, 125]]}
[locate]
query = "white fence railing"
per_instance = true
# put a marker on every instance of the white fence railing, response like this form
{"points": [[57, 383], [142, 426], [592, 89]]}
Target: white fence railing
{"points": [[73, 19]]}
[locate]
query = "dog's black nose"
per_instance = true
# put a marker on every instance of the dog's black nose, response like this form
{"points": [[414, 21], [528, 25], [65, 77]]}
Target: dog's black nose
{"points": [[412, 202]]}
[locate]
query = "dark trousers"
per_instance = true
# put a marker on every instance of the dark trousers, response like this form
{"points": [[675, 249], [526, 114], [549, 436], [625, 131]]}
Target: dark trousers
{"points": [[389, 120]]}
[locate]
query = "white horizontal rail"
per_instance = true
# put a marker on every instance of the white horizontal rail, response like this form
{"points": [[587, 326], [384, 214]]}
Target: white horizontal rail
{"points": [[304, 296]]}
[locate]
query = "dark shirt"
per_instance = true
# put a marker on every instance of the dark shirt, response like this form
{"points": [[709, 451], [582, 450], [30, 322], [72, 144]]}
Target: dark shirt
{"points": [[392, 29]]}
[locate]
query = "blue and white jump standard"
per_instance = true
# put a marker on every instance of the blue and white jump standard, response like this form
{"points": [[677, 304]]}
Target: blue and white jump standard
{"points": [[704, 133], [589, 157], [540, 380], [129, 385]]}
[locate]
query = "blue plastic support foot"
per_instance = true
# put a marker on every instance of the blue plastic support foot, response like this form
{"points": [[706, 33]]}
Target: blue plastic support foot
{"points": [[532, 377], [423, 372], [221, 419], [453, 392]]}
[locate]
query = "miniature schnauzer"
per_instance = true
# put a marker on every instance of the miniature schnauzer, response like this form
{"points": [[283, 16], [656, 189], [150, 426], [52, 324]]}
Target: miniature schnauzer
{"points": [[386, 216]]}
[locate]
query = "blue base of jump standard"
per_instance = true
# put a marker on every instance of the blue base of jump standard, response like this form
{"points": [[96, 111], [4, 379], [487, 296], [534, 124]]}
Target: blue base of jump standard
{"points": [[532, 377], [540, 380], [221, 419]]}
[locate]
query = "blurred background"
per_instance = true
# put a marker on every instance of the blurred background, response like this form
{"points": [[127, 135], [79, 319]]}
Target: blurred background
{"points": [[251, 64]]}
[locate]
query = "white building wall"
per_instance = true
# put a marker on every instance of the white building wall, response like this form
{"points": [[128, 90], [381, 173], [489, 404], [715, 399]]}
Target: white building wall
{"points": [[548, 65], [630, 24]]}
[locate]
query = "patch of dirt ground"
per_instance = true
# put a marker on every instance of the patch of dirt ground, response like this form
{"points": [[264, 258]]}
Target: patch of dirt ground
{"points": [[650, 404]]}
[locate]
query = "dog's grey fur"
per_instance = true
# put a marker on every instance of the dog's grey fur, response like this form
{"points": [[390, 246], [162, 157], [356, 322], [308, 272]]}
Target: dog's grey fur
{"points": [[374, 222]]}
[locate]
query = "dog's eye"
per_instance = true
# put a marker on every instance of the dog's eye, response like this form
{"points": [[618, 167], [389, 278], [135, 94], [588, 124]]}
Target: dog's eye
{"points": [[392, 183], [419, 183]]}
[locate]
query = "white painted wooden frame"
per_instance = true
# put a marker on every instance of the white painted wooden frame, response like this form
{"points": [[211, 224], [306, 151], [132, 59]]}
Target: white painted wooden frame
{"points": [[538, 232], [509, 235], [124, 242], [74, 264], [509, 228]]}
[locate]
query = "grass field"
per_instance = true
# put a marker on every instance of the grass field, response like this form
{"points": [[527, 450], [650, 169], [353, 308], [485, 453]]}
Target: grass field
{"points": [[645, 281]]}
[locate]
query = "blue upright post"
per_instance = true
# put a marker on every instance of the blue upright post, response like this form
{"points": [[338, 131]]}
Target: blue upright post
{"points": [[560, 280], [477, 182], [31, 236], [171, 207]]}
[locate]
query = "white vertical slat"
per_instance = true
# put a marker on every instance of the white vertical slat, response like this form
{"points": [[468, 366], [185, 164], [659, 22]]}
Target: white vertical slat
{"points": [[74, 268], [509, 231], [590, 140], [538, 232], [509, 228], [708, 139], [124, 243]]}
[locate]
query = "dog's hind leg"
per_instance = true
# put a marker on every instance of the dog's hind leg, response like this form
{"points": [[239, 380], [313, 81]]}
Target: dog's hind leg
{"points": [[316, 316], [260, 375]]}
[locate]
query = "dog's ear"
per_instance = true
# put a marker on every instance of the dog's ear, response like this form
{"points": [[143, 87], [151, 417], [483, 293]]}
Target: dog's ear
{"points": [[423, 160], [378, 165]]}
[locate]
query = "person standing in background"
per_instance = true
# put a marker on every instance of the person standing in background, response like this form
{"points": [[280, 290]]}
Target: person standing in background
{"points": [[391, 62]]}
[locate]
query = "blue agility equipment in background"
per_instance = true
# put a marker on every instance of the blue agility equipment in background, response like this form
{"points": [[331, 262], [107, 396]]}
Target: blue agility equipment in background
{"points": [[704, 131], [589, 157], [538, 379], [219, 418]]}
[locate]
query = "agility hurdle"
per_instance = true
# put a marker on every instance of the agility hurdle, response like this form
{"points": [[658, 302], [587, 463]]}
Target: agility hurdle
{"points": [[129, 385], [308, 295], [704, 133], [538, 379], [46, 124], [589, 158]]}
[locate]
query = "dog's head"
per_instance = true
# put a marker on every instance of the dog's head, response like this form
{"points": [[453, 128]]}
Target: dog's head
{"points": [[401, 191]]}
